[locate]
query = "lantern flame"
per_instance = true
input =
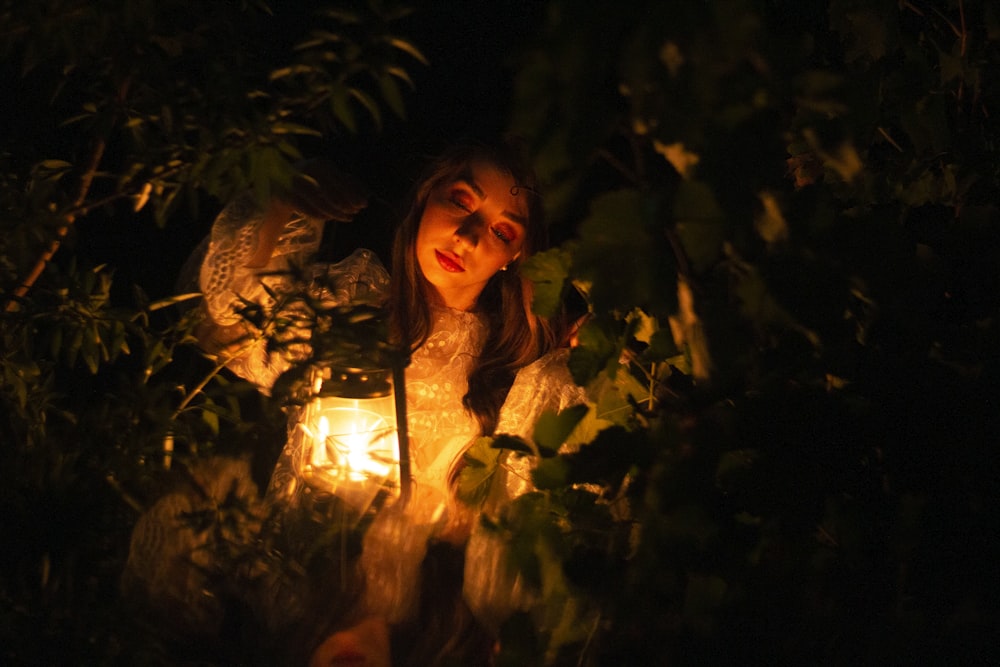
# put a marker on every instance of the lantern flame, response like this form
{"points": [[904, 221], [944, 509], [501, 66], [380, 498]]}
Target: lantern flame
{"points": [[346, 442], [361, 448], [350, 451]]}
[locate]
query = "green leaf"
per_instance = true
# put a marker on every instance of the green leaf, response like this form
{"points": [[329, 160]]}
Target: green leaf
{"points": [[867, 33], [513, 443], [370, 104], [596, 351], [612, 404], [392, 95], [292, 70], [481, 464], [119, 341], [482, 453], [90, 349], [661, 347], [285, 127], [345, 16], [407, 46], [402, 75], [342, 111], [629, 226], [550, 473], [290, 150], [55, 342], [552, 429], [643, 325], [55, 165], [74, 347], [210, 416], [700, 224], [548, 271]]}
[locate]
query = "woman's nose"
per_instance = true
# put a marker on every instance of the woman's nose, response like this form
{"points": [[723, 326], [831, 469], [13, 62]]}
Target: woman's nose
{"points": [[469, 230]]}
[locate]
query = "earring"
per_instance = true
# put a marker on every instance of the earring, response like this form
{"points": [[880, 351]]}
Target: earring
{"points": [[504, 267]]}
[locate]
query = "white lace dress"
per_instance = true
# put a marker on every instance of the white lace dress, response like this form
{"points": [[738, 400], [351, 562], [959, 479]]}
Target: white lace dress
{"points": [[440, 428], [436, 380]]}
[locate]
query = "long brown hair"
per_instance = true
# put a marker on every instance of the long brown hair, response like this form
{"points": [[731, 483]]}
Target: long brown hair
{"points": [[515, 336]]}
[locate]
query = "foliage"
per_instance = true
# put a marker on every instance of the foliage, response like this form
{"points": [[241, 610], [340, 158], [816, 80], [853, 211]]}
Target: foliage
{"points": [[233, 118], [789, 244], [142, 110], [782, 216]]}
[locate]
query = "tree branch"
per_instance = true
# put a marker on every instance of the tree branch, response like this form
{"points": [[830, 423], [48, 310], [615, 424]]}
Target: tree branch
{"points": [[86, 180]]}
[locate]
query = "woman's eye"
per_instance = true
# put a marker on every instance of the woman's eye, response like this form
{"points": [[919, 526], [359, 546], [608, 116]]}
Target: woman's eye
{"points": [[462, 200], [504, 234]]}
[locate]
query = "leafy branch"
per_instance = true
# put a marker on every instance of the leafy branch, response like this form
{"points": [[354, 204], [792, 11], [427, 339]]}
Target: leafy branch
{"points": [[805, 199], [90, 169]]}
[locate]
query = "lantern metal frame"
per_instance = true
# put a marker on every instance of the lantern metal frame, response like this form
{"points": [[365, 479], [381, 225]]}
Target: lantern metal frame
{"points": [[333, 471]]}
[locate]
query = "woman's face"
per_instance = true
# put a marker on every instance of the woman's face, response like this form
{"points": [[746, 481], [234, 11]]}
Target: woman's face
{"points": [[471, 227]]}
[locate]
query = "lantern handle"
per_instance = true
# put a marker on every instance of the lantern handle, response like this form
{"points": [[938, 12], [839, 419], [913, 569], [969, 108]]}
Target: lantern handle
{"points": [[399, 363]]}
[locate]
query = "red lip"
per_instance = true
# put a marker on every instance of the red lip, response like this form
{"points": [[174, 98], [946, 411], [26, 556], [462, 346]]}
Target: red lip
{"points": [[448, 263]]}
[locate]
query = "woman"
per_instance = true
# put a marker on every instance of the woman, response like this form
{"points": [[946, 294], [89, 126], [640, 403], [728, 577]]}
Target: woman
{"points": [[456, 298], [457, 302]]}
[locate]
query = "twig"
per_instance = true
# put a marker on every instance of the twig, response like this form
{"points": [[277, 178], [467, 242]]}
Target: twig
{"points": [[683, 263], [82, 209], [652, 385], [618, 165], [402, 429], [640, 163], [125, 495], [954, 28], [197, 389], [590, 638], [86, 180], [890, 139], [965, 33], [911, 7]]}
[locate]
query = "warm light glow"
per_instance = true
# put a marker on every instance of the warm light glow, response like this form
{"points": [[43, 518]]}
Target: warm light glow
{"points": [[355, 444], [349, 446]]}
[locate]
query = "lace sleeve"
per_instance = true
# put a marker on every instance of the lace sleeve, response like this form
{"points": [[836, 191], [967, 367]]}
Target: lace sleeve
{"points": [[225, 278], [227, 283], [492, 587], [543, 385], [360, 278]]}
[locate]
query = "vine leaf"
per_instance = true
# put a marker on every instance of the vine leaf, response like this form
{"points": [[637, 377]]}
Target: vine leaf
{"points": [[481, 463], [628, 225], [553, 429], [548, 272], [699, 223], [682, 160]]}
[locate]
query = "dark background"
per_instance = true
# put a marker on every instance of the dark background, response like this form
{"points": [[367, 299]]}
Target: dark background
{"points": [[465, 93]]}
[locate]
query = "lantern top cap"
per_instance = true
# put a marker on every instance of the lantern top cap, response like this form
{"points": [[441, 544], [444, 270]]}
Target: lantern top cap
{"points": [[353, 382]]}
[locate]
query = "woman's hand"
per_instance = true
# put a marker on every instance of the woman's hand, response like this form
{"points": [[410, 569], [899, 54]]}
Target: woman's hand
{"points": [[319, 191], [322, 191]]}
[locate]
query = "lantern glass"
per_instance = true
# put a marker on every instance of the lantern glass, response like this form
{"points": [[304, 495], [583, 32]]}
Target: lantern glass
{"points": [[349, 441]]}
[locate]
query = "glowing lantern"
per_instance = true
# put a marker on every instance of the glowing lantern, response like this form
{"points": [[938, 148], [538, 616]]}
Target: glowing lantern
{"points": [[349, 435]]}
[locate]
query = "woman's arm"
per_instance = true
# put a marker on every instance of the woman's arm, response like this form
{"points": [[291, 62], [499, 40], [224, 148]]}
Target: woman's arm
{"points": [[249, 253], [319, 191]]}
